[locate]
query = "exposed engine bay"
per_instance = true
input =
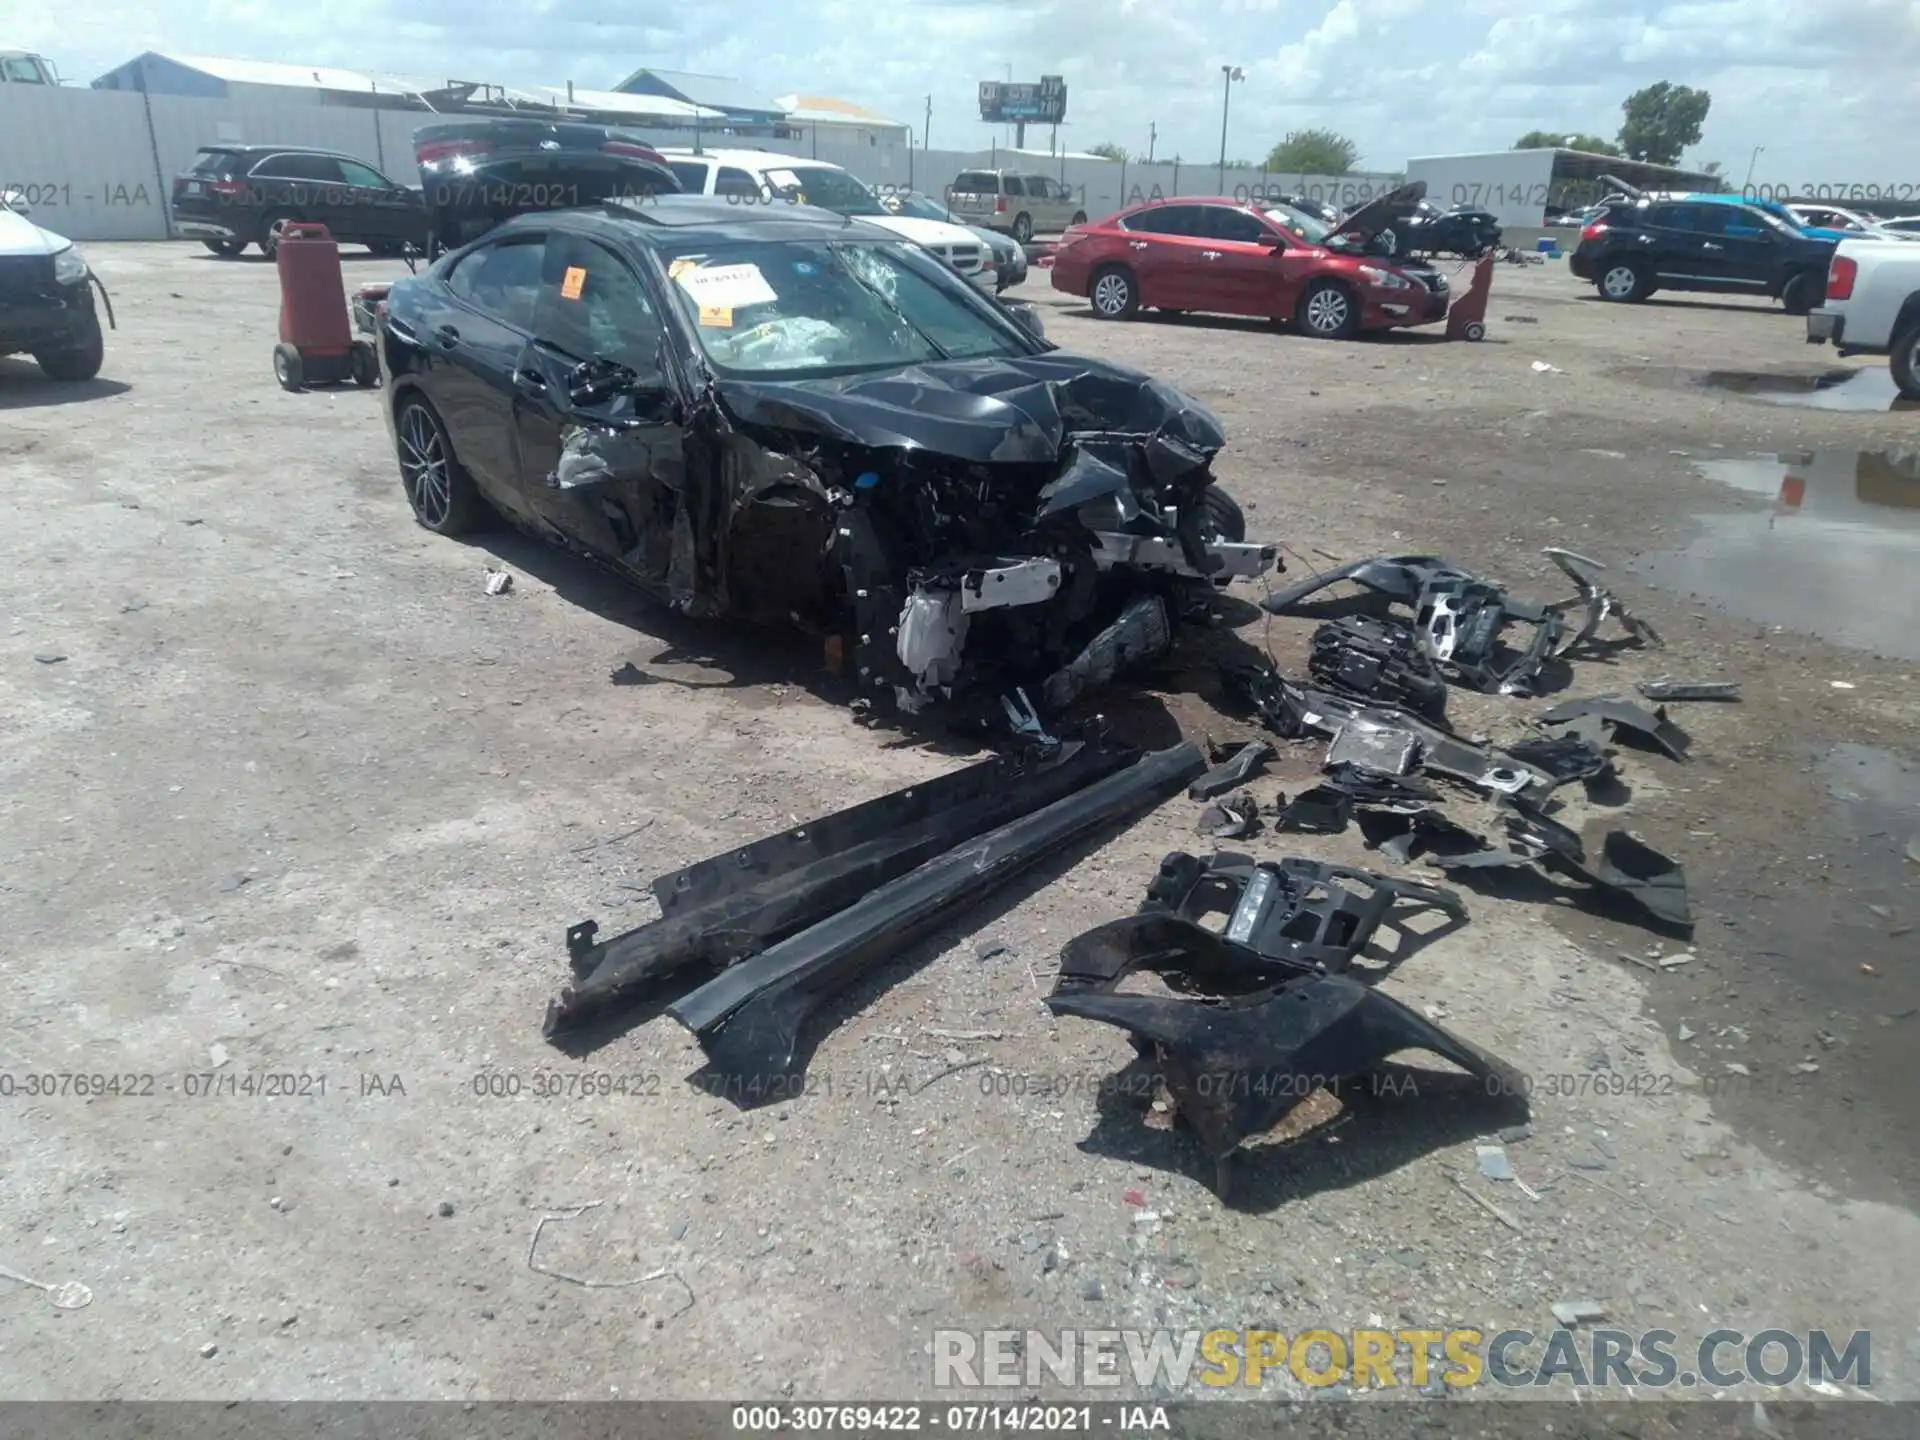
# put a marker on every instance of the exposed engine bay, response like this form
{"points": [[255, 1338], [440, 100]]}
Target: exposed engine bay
{"points": [[1001, 533]]}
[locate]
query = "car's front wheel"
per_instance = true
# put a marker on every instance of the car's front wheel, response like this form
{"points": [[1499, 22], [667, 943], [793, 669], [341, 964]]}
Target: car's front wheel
{"points": [[226, 249], [440, 491], [1328, 311], [1113, 294], [80, 360], [1224, 519], [1622, 282], [1905, 363], [1023, 227], [1079, 218]]}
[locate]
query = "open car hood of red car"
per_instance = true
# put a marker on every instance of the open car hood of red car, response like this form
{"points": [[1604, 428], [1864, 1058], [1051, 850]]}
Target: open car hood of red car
{"points": [[1363, 222]]}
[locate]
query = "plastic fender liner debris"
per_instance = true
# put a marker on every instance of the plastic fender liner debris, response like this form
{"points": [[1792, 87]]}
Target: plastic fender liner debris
{"points": [[1243, 766], [1323, 810], [1564, 759], [1601, 605], [1308, 914], [1667, 688], [1652, 727], [1236, 1067], [1397, 835], [1235, 819], [1371, 788], [749, 1019], [734, 905], [1377, 660], [1395, 576]]}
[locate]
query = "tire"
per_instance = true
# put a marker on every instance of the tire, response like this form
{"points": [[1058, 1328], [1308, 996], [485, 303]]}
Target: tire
{"points": [[270, 229], [1904, 363], [1079, 218], [1023, 227], [1622, 282], [1113, 294], [1801, 293], [226, 249], [288, 368], [1224, 517], [364, 365], [1327, 311], [79, 361], [440, 493], [1475, 331]]}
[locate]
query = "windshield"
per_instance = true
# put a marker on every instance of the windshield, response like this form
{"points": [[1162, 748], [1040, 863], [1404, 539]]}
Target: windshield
{"points": [[820, 185], [917, 207], [795, 309], [1310, 228]]}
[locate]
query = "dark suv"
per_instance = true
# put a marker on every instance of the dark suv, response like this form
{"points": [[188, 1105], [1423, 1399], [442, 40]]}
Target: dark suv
{"points": [[1636, 246], [236, 195]]}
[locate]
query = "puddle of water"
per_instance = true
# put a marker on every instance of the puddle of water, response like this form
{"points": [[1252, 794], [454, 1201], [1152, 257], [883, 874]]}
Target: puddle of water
{"points": [[1836, 555], [1869, 387]]}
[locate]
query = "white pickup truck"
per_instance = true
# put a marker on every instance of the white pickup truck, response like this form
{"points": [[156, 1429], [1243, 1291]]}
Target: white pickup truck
{"points": [[1873, 306]]}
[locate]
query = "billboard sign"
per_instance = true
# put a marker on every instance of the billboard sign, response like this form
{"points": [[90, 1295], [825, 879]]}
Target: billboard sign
{"points": [[1007, 104]]}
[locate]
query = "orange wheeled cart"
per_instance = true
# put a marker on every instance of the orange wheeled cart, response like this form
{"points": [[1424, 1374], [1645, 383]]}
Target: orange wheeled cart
{"points": [[316, 344]]}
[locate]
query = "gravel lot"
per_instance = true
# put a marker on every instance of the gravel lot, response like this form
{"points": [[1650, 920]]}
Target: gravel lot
{"points": [[282, 791]]}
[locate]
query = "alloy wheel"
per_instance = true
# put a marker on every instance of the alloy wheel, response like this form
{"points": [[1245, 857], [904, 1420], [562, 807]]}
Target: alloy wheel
{"points": [[1110, 294], [424, 467], [1327, 310]]}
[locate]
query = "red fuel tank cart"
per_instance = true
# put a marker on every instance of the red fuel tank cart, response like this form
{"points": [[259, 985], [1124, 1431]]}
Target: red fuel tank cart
{"points": [[316, 346]]}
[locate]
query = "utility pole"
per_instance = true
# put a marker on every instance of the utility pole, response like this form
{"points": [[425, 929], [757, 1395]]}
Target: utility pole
{"points": [[1228, 74], [927, 125], [1153, 134]]}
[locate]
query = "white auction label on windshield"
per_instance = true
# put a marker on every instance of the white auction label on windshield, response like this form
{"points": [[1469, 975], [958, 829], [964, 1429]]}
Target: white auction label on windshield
{"points": [[731, 286]]}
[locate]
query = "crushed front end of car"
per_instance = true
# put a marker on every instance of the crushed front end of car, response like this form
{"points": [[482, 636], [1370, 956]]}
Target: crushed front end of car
{"points": [[979, 530]]}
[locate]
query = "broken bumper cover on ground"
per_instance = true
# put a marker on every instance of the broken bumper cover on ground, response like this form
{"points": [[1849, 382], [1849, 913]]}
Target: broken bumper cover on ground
{"points": [[750, 1019], [725, 909]]}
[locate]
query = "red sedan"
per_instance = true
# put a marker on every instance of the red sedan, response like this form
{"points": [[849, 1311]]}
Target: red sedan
{"points": [[1264, 259]]}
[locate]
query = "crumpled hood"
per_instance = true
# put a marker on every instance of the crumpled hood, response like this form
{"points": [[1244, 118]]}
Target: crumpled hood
{"points": [[1016, 411], [20, 236]]}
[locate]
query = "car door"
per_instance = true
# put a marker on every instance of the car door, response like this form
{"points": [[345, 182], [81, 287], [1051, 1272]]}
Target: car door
{"points": [[383, 213], [475, 335], [1051, 210], [1239, 269], [1166, 249], [693, 175], [320, 189], [1732, 246], [622, 505]]}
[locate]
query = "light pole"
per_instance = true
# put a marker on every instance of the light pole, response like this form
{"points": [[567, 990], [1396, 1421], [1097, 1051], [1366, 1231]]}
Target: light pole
{"points": [[1750, 160], [1228, 74], [1153, 134]]}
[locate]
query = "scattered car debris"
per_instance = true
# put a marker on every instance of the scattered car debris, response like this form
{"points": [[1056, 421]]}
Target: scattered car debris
{"points": [[1460, 618], [1572, 1313], [1243, 766], [749, 1018], [1239, 1054], [50, 658], [1323, 810], [1494, 1164], [1624, 866], [1400, 836], [498, 582], [1667, 688], [68, 1295], [1377, 660], [1650, 728], [1235, 819], [1375, 741], [1565, 758], [719, 911]]}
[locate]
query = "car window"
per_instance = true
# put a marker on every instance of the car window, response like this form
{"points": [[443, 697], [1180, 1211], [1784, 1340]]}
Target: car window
{"points": [[737, 183], [212, 162], [364, 177], [593, 306], [1706, 219], [22, 70], [1165, 220], [976, 182], [502, 280], [1219, 223], [1012, 185], [1298, 223], [1661, 217], [691, 174], [320, 169], [825, 186], [788, 308]]}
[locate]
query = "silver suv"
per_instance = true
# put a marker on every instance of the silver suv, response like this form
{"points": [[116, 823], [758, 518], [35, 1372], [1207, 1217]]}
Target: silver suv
{"points": [[1015, 201]]}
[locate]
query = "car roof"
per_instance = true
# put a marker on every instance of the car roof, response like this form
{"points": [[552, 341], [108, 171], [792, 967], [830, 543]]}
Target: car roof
{"points": [[219, 149], [699, 219], [752, 159]]}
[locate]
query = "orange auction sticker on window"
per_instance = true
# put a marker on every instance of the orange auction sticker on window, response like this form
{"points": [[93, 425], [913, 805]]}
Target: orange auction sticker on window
{"points": [[719, 317], [572, 283], [680, 267]]}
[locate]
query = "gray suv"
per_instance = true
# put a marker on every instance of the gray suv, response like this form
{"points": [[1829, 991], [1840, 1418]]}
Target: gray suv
{"points": [[1020, 203]]}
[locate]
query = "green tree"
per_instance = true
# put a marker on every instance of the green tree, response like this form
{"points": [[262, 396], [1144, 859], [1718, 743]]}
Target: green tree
{"points": [[1313, 152], [1663, 120], [1108, 150], [1565, 140]]}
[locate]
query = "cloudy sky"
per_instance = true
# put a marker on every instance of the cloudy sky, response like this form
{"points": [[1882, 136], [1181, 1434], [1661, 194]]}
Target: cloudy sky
{"points": [[1827, 86]]}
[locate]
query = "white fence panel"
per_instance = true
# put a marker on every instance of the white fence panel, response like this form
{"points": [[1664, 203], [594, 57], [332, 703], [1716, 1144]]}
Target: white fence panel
{"points": [[84, 160]]}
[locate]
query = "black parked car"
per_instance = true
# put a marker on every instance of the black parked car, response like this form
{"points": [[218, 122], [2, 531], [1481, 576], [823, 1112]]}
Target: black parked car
{"points": [[233, 196], [1639, 244], [1465, 230], [780, 414]]}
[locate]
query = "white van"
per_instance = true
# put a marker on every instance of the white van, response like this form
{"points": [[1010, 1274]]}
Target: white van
{"points": [[756, 176]]}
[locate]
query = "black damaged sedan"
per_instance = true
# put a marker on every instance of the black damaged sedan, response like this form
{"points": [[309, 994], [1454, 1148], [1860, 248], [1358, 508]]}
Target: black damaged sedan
{"points": [[779, 415]]}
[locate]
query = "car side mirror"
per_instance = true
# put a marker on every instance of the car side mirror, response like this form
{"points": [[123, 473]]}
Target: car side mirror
{"points": [[16, 201]]}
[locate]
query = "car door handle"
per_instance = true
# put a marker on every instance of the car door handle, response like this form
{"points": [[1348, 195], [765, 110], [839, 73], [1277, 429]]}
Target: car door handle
{"points": [[1136, 244], [447, 336], [1709, 245], [1209, 254], [530, 382]]}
